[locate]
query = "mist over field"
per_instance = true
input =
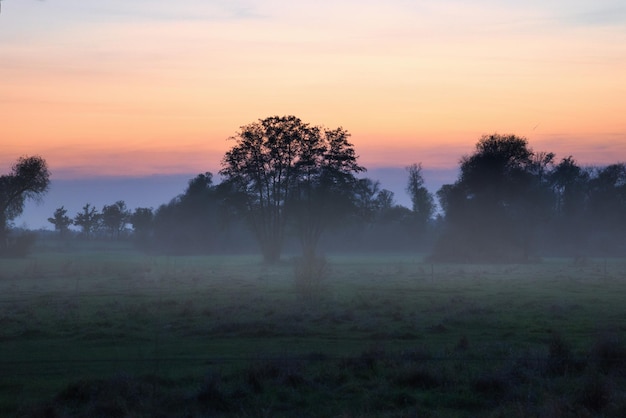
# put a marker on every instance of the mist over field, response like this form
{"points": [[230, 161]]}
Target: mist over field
{"points": [[295, 283], [442, 234]]}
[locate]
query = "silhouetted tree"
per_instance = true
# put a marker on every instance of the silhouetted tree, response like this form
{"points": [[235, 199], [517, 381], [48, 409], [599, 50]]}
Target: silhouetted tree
{"points": [[384, 201], [88, 220], [365, 196], [61, 221], [190, 222], [570, 223], [324, 191], [607, 207], [375, 205], [570, 183], [29, 179], [115, 217], [501, 195], [423, 204], [285, 169], [142, 220]]}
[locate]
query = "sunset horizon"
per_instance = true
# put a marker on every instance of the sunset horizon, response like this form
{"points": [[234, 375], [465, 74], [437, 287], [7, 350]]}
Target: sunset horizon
{"points": [[119, 89], [92, 86]]}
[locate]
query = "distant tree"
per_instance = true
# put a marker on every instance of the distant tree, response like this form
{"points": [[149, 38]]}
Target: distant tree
{"points": [[29, 179], [88, 220], [373, 204], [607, 207], [569, 183], [500, 197], [384, 201], [423, 203], [570, 224], [142, 221], [287, 170], [191, 222], [365, 196], [115, 217], [61, 221], [607, 193]]}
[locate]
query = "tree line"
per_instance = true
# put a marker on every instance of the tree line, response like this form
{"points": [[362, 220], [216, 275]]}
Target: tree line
{"points": [[288, 183]]}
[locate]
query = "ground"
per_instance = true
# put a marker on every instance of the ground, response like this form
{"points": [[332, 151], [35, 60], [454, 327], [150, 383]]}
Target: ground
{"points": [[99, 330]]}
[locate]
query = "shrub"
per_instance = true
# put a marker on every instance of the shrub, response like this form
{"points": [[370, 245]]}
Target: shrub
{"points": [[419, 377], [20, 245], [211, 396], [560, 358], [609, 354], [596, 392]]}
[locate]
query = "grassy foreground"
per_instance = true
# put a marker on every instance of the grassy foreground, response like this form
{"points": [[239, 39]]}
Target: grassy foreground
{"points": [[120, 334]]}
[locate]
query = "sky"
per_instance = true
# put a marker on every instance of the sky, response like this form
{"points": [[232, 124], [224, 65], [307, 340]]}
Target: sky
{"points": [[153, 89]]}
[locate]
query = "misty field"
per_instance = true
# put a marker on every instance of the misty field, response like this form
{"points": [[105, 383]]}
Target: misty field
{"points": [[116, 333]]}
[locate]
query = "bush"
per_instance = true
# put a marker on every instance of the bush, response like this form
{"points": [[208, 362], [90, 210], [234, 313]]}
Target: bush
{"points": [[19, 245], [596, 392], [609, 354], [211, 395], [560, 359]]}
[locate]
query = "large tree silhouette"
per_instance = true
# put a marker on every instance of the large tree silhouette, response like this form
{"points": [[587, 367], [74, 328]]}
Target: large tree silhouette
{"points": [[285, 170], [501, 195], [29, 179]]}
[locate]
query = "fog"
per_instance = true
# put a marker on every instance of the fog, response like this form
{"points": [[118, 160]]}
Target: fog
{"points": [[506, 300], [153, 191]]}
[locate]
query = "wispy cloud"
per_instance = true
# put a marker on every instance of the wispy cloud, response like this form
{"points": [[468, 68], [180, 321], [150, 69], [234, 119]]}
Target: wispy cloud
{"points": [[163, 10], [615, 16]]}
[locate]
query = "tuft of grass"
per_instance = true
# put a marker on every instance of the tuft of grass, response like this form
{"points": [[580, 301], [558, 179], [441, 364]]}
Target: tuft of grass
{"points": [[595, 393], [560, 357], [211, 395], [609, 354], [419, 377]]}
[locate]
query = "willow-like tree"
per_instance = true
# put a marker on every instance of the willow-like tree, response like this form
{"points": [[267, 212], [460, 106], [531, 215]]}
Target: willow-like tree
{"points": [[29, 179], [287, 172]]}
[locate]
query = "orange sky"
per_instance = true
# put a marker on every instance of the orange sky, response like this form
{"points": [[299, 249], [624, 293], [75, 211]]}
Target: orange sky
{"points": [[157, 87]]}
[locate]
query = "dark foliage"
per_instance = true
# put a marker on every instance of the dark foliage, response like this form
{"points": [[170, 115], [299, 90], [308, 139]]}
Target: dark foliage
{"points": [[193, 222], [492, 210], [29, 179], [287, 173], [61, 221]]}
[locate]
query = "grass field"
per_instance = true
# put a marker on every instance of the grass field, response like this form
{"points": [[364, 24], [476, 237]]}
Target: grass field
{"points": [[112, 333]]}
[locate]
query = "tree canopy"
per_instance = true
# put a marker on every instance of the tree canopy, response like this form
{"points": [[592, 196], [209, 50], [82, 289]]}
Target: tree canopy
{"points": [[496, 202], [286, 170], [61, 221], [29, 179]]}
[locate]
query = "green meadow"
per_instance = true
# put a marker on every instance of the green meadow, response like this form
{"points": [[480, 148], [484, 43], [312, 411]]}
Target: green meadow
{"points": [[111, 332]]}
